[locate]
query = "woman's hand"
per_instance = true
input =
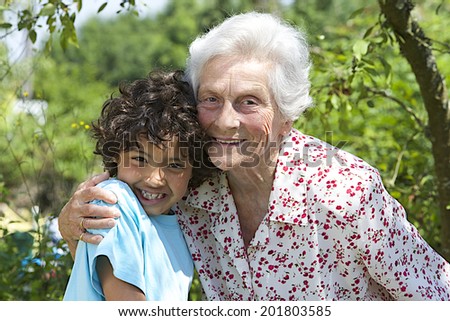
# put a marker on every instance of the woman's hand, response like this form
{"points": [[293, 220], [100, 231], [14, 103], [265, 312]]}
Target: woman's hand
{"points": [[78, 215]]}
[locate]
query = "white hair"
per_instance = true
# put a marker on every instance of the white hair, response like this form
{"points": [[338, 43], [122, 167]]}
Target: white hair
{"points": [[269, 39]]}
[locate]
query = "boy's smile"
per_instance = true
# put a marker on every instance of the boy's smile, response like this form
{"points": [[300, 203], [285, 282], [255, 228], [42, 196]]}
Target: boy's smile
{"points": [[158, 175]]}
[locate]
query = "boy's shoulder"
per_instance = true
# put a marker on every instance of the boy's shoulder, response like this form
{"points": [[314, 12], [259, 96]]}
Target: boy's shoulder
{"points": [[121, 189], [127, 202], [116, 186], [113, 183]]}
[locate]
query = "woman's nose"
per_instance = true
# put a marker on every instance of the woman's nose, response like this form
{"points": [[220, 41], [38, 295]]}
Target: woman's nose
{"points": [[227, 117]]}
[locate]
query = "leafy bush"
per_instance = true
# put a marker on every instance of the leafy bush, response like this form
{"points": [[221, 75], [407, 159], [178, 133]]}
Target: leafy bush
{"points": [[34, 265], [366, 98]]}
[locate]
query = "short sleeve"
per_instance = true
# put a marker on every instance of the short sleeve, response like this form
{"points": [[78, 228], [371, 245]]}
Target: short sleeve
{"points": [[122, 244]]}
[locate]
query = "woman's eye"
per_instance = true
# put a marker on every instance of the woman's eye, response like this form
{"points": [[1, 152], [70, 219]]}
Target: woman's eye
{"points": [[249, 102], [209, 101]]}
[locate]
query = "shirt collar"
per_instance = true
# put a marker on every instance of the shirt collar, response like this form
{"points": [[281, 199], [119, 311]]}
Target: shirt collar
{"points": [[287, 202], [209, 196]]}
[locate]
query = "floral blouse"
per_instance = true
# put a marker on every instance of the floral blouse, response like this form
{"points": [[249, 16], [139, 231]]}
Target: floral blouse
{"points": [[331, 232]]}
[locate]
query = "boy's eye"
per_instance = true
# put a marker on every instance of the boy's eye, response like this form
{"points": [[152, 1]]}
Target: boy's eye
{"points": [[177, 165], [139, 159]]}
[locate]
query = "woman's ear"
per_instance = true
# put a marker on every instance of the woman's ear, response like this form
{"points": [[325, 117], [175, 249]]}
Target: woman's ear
{"points": [[286, 127]]}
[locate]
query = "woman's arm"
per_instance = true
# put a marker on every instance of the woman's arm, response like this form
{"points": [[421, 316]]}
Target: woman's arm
{"points": [[393, 251], [115, 289], [95, 216]]}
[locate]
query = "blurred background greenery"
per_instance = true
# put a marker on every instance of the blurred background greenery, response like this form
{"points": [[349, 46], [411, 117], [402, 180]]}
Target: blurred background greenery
{"points": [[367, 102]]}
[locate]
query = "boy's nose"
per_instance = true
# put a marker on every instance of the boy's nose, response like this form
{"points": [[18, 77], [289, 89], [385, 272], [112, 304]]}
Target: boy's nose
{"points": [[154, 177]]}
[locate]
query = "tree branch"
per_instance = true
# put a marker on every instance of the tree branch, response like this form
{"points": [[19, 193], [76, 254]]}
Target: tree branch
{"points": [[417, 50], [408, 109]]}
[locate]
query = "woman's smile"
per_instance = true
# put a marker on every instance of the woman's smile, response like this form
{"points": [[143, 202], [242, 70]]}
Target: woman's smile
{"points": [[237, 109]]}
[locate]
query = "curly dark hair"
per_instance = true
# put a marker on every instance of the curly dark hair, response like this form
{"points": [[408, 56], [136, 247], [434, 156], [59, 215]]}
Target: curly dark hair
{"points": [[160, 107]]}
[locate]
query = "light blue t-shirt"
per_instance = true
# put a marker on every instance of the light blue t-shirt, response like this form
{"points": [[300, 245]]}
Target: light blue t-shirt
{"points": [[148, 252]]}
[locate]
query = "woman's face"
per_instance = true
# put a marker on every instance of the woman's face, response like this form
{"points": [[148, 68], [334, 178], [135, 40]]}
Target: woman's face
{"points": [[237, 109]]}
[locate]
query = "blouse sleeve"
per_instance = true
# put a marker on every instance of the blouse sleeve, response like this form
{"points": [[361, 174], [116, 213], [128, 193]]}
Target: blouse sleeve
{"points": [[396, 256]]}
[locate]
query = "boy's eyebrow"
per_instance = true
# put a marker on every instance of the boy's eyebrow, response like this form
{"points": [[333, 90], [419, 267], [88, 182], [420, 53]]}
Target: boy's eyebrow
{"points": [[137, 149], [178, 157]]}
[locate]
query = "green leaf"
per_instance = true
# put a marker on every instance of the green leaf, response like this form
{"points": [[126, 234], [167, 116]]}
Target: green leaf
{"points": [[371, 71], [396, 194], [48, 10], [335, 101], [368, 32], [387, 70], [360, 48], [356, 13], [102, 7], [22, 24], [32, 35], [49, 45], [5, 25]]}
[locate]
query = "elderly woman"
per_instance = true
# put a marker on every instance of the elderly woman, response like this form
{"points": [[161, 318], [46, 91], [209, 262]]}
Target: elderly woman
{"points": [[289, 217]]}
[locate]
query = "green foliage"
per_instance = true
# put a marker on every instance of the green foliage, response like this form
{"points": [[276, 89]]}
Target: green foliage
{"points": [[116, 50], [368, 98], [195, 293], [34, 265], [366, 101], [57, 16]]}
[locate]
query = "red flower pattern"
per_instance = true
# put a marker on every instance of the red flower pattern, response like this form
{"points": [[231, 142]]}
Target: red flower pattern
{"points": [[332, 232]]}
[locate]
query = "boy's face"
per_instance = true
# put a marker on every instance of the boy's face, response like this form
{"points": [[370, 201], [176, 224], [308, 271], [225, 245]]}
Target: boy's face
{"points": [[158, 177]]}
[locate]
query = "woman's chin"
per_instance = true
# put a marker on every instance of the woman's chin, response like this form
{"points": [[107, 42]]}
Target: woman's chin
{"points": [[235, 163]]}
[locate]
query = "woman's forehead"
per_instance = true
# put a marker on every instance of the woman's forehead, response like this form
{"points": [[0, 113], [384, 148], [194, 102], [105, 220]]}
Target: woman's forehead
{"points": [[227, 71]]}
